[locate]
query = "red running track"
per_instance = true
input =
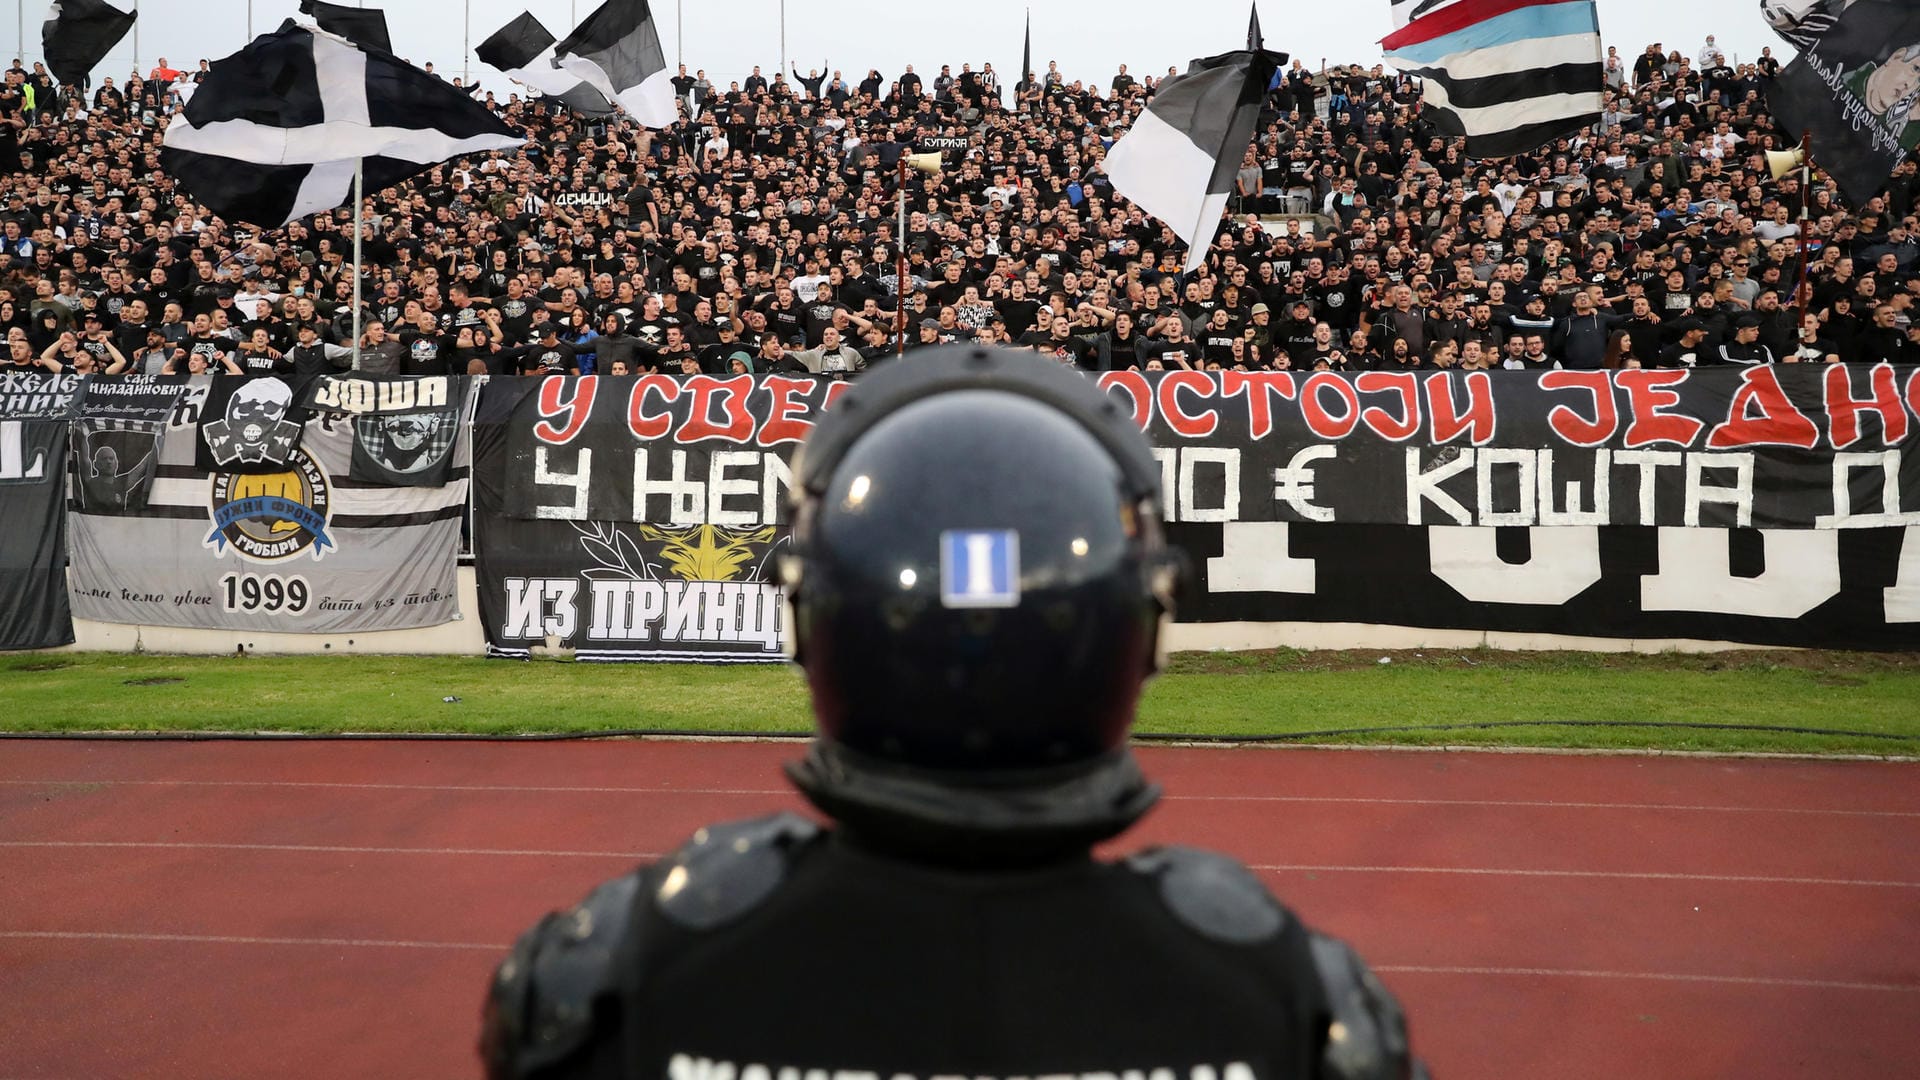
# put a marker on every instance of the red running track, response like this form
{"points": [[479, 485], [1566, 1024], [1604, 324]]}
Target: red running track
{"points": [[334, 909]]}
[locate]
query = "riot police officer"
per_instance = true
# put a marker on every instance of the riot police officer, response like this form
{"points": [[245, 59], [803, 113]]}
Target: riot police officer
{"points": [[978, 584]]}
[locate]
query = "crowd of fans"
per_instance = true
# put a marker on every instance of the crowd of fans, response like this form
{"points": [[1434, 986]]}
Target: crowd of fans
{"points": [[759, 235]]}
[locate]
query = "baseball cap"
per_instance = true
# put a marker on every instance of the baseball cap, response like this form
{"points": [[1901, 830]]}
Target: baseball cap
{"points": [[929, 324]]}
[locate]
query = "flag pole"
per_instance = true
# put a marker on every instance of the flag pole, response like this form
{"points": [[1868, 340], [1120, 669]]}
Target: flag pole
{"points": [[359, 207], [1802, 303], [466, 44], [900, 267]]}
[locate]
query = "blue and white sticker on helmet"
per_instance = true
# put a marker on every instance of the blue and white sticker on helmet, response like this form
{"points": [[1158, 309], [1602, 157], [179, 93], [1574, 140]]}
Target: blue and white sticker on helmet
{"points": [[980, 568]]}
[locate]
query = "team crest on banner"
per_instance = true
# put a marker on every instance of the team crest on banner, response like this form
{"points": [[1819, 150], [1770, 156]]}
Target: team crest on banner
{"points": [[270, 517]]}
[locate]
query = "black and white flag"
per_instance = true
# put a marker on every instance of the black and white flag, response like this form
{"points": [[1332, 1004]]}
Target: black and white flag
{"points": [[1800, 23], [78, 34], [523, 49], [616, 50], [1856, 90], [276, 129], [1178, 160], [362, 26]]}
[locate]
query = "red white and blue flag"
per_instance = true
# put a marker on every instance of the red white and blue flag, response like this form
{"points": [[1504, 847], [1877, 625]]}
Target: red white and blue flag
{"points": [[1510, 75]]}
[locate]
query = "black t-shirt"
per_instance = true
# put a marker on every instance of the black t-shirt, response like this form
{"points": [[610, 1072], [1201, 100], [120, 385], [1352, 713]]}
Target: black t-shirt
{"points": [[1170, 354], [546, 359], [1079, 351]]}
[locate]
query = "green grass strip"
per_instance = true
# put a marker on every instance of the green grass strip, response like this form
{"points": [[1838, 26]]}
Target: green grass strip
{"points": [[1423, 698]]}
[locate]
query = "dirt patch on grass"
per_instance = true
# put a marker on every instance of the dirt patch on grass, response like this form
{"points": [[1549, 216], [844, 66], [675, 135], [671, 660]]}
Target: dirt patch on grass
{"points": [[155, 680], [38, 665], [1831, 668]]}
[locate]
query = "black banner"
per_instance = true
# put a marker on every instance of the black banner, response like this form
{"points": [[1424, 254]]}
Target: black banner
{"points": [[567, 470], [1856, 88], [1811, 588], [37, 395], [691, 589], [404, 428], [1789, 447], [33, 535]]}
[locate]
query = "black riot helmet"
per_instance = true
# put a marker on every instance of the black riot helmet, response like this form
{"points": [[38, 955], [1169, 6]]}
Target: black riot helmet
{"points": [[978, 580]]}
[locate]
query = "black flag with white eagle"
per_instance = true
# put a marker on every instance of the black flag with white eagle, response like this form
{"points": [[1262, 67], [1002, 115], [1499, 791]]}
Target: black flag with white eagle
{"points": [[274, 131]]}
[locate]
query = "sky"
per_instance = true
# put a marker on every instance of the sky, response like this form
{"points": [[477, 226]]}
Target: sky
{"points": [[728, 37]]}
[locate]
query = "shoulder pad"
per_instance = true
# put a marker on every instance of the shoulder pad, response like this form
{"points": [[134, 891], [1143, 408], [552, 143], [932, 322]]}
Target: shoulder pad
{"points": [[541, 1006], [727, 870], [1213, 894], [1366, 1031]]}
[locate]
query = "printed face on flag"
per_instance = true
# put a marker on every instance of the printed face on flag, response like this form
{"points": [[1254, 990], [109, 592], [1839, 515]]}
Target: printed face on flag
{"points": [[1893, 89]]}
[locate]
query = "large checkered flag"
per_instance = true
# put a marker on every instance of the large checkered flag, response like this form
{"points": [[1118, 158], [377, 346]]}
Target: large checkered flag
{"points": [[276, 129]]}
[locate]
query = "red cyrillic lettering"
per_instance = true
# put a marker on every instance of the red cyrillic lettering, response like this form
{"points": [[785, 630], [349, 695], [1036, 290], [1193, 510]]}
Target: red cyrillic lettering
{"points": [[1647, 391], [1319, 420], [1380, 421], [1448, 424], [1256, 385], [1572, 426], [555, 401], [1779, 423], [732, 395], [1843, 409], [642, 425], [1192, 426]]}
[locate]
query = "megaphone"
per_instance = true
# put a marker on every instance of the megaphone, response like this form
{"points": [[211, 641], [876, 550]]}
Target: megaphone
{"points": [[926, 163], [1782, 162]]}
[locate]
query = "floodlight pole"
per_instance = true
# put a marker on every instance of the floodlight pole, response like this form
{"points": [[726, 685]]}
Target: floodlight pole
{"points": [[359, 205]]}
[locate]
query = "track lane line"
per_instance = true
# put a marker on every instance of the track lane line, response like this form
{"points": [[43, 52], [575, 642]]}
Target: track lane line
{"points": [[1384, 969], [327, 849], [1272, 868], [1629, 875], [225, 939], [1547, 804], [1657, 976]]}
